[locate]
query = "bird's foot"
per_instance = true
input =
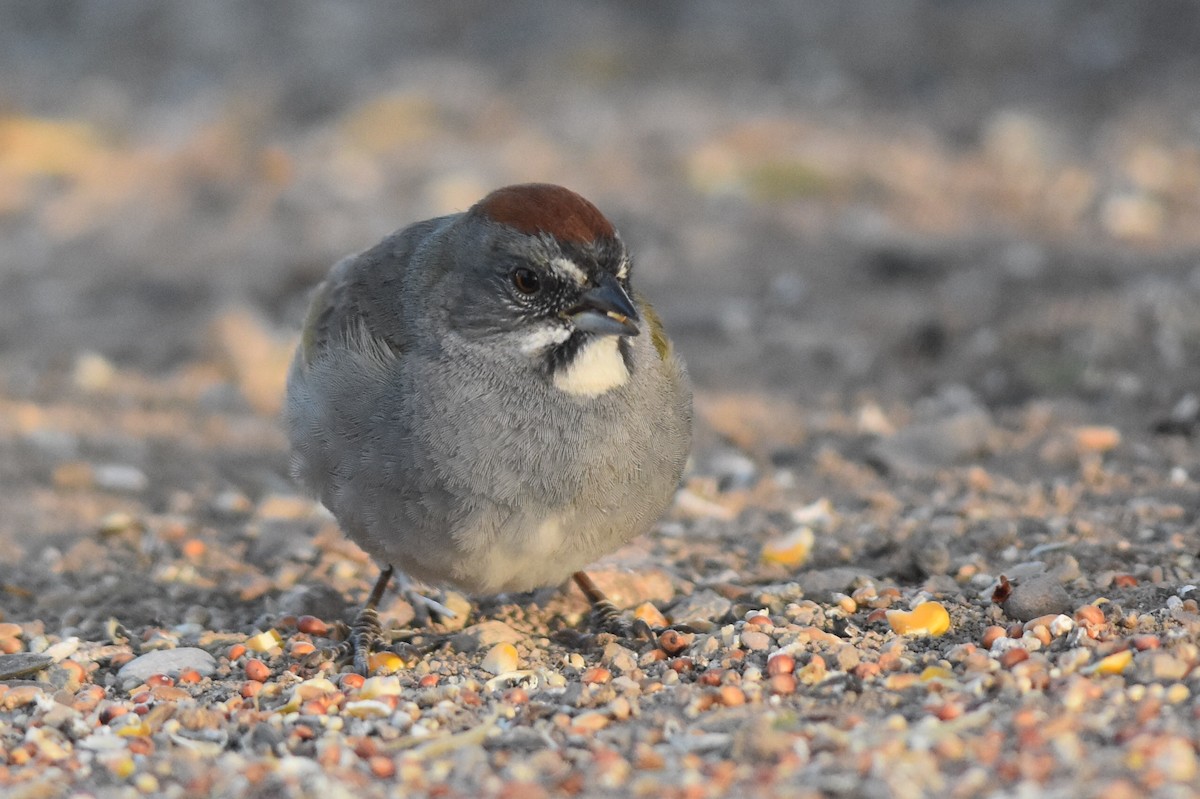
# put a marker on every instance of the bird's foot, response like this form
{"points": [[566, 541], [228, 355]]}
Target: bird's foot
{"points": [[364, 636], [607, 617]]}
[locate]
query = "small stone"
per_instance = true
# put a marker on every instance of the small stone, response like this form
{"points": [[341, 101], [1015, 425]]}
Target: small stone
{"points": [[92, 372], [500, 659], [485, 634], [120, 477], [755, 640], [1165, 667], [923, 447], [591, 721], [820, 585], [22, 664], [376, 687], [622, 659], [702, 606], [1036, 597], [170, 662]]}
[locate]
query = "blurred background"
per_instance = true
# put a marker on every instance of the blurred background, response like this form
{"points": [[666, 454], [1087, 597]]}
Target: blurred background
{"points": [[847, 197]]}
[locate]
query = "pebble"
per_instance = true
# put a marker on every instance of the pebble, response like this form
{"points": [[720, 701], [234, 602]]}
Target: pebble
{"points": [[120, 477], [167, 661], [1038, 596], [485, 634], [756, 641], [22, 664], [620, 658], [703, 606], [820, 585], [926, 446]]}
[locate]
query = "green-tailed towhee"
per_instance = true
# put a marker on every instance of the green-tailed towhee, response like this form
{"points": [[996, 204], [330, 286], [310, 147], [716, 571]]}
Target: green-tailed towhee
{"points": [[484, 402]]}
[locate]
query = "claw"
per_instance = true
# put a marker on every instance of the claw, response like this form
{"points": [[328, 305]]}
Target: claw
{"points": [[607, 617]]}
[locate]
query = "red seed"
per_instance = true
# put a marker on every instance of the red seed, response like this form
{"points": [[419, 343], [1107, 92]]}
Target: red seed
{"points": [[597, 675], [251, 688], [190, 677], [236, 651], [1143, 642], [257, 670], [428, 681], [312, 625], [673, 642], [780, 663], [156, 680], [732, 696], [299, 649], [991, 635], [782, 683], [1013, 656]]}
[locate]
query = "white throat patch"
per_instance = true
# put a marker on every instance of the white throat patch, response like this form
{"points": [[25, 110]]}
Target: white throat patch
{"points": [[598, 367]]}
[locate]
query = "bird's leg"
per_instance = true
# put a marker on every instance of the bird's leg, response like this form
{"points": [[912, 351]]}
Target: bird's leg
{"points": [[366, 633], [606, 616]]}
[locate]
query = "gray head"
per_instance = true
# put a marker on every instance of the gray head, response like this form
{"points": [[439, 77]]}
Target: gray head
{"points": [[543, 279]]}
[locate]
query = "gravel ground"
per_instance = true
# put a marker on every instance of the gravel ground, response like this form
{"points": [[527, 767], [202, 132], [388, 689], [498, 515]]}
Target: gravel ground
{"points": [[938, 282]]}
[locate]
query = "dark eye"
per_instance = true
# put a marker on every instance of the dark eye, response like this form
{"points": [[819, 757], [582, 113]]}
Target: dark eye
{"points": [[526, 280]]}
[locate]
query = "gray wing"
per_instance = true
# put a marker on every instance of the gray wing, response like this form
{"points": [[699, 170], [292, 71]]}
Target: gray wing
{"points": [[337, 376]]}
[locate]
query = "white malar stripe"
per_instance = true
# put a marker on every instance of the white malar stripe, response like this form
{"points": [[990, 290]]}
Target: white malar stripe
{"points": [[623, 269], [597, 368], [545, 336], [570, 270]]}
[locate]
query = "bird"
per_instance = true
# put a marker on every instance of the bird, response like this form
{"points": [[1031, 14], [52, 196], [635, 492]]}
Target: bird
{"points": [[484, 402]]}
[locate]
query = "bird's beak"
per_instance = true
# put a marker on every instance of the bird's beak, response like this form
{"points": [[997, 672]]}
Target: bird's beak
{"points": [[606, 309]]}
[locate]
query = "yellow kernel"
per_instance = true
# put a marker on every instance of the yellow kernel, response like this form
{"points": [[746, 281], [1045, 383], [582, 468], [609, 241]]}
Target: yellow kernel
{"points": [[928, 618], [264, 642], [789, 551], [500, 659], [1115, 663], [932, 673], [385, 662]]}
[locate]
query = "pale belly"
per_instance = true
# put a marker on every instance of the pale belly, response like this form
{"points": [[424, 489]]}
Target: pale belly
{"points": [[544, 554]]}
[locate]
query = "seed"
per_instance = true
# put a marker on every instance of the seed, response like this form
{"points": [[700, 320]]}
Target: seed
{"points": [[312, 626], [257, 670], [780, 663]]}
